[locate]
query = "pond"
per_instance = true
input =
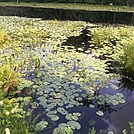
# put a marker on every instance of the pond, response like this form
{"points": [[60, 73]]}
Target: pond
{"points": [[115, 119], [73, 72], [116, 116]]}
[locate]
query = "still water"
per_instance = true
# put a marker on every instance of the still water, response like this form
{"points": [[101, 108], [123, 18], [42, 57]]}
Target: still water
{"points": [[115, 119]]}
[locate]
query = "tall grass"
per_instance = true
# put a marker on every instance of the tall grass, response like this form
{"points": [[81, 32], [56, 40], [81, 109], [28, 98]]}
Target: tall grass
{"points": [[128, 57]]}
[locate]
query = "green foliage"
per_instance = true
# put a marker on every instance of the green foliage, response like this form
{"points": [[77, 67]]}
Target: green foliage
{"points": [[132, 127], [16, 120], [68, 130], [8, 77], [124, 131], [92, 131], [10, 112], [3, 36], [131, 124], [63, 129], [102, 36], [114, 44], [128, 56]]}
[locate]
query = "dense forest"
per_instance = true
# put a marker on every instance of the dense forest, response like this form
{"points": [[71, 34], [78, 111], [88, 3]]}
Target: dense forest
{"points": [[114, 2]]}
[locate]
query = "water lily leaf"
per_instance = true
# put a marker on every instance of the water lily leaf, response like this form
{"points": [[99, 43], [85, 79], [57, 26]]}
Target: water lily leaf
{"points": [[76, 114], [57, 95], [74, 125], [62, 111], [101, 102], [120, 94], [59, 130], [110, 132], [121, 101], [39, 93], [34, 105], [69, 106], [91, 106], [62, 125], [61, 104], [41, 125], [42, 99], [115, 102], [68, 117], [49, 114], [54, 117], [74, 118], [100, 113]]}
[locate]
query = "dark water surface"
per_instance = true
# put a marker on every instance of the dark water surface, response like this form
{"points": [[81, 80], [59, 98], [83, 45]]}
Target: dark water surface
{"points": [[116, 118]]}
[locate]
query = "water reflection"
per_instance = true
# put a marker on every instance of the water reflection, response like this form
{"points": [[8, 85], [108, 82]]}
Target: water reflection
{"points": [[119, 120], [116, 118]]}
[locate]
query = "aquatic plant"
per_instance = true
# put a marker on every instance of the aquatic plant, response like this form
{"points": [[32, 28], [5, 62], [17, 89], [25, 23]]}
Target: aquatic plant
{"points": [[3, 37], [92, 131], [128, 57], [102, 36], [59, 76], [8, 76]]}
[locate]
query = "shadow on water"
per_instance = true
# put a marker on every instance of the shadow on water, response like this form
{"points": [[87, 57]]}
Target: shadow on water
{"points": [[80, 43]]}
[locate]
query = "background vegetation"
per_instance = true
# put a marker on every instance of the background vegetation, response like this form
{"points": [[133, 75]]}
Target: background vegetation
{"points": [[114, 2]]}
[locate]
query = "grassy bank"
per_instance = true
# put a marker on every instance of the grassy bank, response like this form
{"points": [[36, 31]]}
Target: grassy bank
{"points": [[88, 7]]}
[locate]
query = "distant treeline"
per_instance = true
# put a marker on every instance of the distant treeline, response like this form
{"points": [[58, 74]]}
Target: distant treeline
{"points": [[114, 2]]}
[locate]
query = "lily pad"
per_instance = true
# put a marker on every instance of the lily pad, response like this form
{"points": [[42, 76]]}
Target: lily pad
{"points": [[62, 111], [110, 132], [91, 106], [100, 113], [54, 117], [74, 125], [115, 102]]}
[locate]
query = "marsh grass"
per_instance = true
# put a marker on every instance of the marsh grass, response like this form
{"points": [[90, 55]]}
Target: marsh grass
{"points": [[102, 36], [128, 57]]}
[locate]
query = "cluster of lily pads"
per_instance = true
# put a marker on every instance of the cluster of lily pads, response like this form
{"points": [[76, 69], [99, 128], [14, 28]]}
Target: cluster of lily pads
{"points": [[60, 78]]}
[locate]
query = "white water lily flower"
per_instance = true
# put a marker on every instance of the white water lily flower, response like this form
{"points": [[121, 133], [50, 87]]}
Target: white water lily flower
{"points": [[7, 130]]}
